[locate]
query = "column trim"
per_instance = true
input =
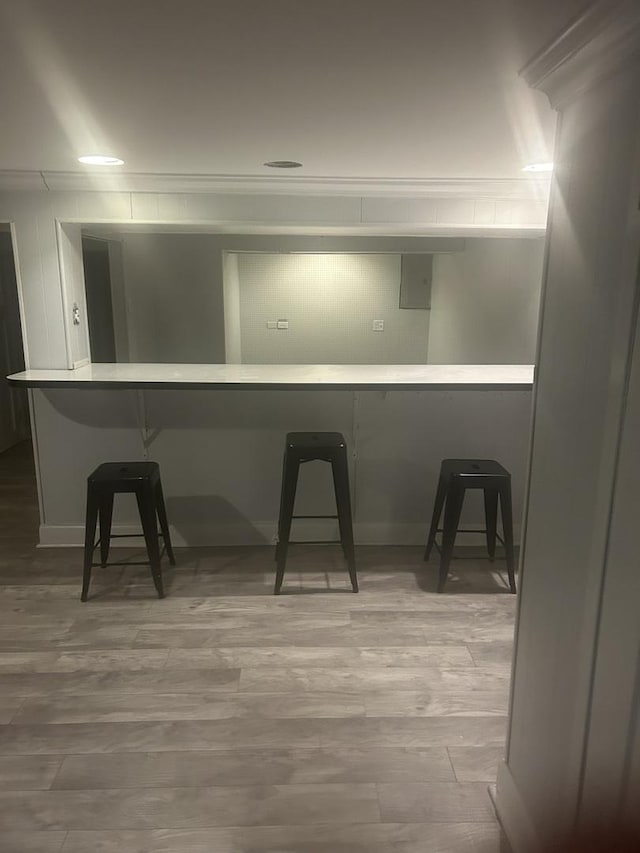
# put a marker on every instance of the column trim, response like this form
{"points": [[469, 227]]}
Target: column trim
{"points": [[602, 41]]}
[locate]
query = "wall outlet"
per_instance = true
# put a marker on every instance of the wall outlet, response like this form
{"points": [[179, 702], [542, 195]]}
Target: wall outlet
{"points": [[272, 324], [283, 324], [378, 326]]}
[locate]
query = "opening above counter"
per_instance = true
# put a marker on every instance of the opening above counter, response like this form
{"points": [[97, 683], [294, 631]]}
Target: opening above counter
{"points": [[158, 297]]}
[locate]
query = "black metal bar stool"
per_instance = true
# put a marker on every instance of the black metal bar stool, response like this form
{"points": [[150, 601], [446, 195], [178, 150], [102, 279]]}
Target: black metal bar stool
{"points": [[109, 479], [456, 476], [301, 447]]}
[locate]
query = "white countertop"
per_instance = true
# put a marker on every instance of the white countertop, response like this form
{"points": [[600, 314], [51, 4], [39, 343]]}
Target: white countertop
{"points": [[253, 376]]}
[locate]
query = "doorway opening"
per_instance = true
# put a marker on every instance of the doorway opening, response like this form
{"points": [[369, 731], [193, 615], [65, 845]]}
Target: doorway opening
{"points": [[18, 492]]}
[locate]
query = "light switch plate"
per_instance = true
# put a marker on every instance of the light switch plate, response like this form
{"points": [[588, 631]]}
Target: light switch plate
{"points": [[378, 326], [272, 324]]}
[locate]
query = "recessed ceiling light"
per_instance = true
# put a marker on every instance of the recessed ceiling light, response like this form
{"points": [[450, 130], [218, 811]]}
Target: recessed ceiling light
{"points": [[538, 167], [100, 160], [283, 164]]}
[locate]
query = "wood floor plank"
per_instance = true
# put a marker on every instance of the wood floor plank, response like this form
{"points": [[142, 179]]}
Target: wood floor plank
{"points": [[27, 661], [435, 803], [476, 763], [355, 838], [440, 701], [412, 731], [369, 678], [165, 612], [279, 635], [71, 738], [105, 707], [264, 767], [188, 808], [492, 652], [28, 772], [457, 627], [335, 657], [103, 660], [142, 681], [32, 842], [9, 706], [21, 638], [190, 612]]}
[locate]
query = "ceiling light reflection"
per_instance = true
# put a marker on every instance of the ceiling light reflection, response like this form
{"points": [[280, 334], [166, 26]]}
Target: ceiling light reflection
{"points": [[100, 160], [538, 167]]}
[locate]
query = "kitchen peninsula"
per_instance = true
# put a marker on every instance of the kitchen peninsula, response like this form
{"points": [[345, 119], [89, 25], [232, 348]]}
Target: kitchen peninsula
{"points": [[220, 453]]}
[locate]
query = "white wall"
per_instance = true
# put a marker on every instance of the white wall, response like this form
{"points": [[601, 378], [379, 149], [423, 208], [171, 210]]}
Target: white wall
{"points": [[484, 303], [174, 292], [330, 302], [72, 272], [231, 285]]}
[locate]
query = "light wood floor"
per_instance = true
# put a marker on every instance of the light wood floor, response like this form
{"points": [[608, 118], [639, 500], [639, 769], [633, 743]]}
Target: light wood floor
{"points": [[226, 720]]}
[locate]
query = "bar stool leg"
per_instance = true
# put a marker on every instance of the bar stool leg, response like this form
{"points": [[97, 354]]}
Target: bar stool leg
{"points": [[146, 507], [89, 540], [507, 527], [452, 510], [281, 512], [105, 513], [164, 524], [441, 494], [491, 519], [289, 484], [340, 471]]}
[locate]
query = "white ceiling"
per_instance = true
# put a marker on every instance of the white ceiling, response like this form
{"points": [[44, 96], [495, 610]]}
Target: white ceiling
{"points": [[424, 89]]}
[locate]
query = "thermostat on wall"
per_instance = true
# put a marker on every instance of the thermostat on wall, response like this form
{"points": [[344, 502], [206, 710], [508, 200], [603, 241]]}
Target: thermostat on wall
{"points": [[283, 324]]}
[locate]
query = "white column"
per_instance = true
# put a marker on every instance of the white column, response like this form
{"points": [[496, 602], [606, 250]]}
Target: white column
{"points": [[580, 547]]}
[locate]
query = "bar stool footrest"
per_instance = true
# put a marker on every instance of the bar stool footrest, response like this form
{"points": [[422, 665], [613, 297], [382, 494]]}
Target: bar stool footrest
{"points": [[314, 516]]}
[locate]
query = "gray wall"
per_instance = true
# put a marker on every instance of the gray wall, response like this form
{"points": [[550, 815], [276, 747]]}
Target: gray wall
{"points": [[220, 453], [189, 300], [330, 302], [484, 303], [174, 292]]}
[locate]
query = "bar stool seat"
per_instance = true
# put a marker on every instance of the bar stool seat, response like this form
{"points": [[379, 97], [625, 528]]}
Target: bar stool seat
{"points": [[301, 447], [142, 479], [456, 476]]}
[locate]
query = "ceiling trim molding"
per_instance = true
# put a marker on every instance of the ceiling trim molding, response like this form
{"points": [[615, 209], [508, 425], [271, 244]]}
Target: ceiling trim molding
{"points": [[603, 40], [16, 181], [479, 188], [113, 229]]}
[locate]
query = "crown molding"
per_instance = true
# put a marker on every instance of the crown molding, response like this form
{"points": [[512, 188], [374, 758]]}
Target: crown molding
{"points": [[478, 188], [603, 40], [16, 181]]}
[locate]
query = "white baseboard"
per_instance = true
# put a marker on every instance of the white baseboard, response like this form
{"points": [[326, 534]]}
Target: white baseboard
{"points": [[513, 815], [257, 533]]}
